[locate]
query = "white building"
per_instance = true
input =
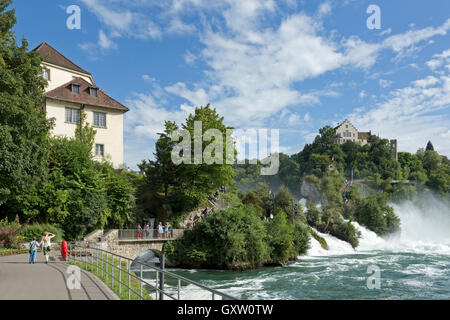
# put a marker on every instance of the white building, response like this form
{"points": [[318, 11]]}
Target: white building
{"points": [[346, 131], [71, 89]]}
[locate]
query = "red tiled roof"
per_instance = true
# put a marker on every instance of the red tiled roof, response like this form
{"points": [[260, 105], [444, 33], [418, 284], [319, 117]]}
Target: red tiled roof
{"points": [[64, 93], [53, 56]]}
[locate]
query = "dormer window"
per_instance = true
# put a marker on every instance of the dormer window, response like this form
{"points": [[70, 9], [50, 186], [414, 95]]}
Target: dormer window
{"points": [[75, 89], [93, 92]]}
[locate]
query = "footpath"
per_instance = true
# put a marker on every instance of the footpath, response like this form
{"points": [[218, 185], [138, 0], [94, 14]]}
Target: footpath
{"points": [[20, 280]]}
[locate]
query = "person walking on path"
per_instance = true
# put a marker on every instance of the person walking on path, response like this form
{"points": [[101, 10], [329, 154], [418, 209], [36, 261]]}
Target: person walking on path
{"points": [[34, 245], [45, 242]]}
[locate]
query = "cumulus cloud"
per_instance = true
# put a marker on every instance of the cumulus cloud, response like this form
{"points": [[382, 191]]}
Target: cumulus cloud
{"points": [[412, 115]]}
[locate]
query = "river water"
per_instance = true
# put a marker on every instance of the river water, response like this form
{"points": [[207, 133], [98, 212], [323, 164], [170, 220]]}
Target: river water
{"points": [[414, 264]]}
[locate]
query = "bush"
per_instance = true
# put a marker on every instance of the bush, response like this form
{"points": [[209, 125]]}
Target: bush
{"points": [[302, 238], [238, 239], [374, 213], [230, 239], [37, 230], [281, 239], [10, 233]]}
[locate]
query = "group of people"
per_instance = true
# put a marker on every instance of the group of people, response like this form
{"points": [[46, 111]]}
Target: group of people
{"points": [[216, 195], [163, 231], [45, 243]]}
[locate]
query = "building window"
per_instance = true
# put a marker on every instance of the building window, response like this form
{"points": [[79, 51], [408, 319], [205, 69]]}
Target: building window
{"points": [[93, 92], [100, 150], [72, 115], [100, 119], [75, 89], [46, 74]]}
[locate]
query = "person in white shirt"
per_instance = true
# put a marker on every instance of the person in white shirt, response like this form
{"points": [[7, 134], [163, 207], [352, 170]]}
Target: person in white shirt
{"points": [[45, 242]]}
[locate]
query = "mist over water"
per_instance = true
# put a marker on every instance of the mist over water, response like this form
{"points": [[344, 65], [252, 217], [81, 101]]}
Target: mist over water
{"points": [[414, 264]]}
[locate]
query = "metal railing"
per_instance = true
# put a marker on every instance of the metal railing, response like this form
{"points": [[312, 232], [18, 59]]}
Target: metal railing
{"points": [[120, 269], [152, 234]]}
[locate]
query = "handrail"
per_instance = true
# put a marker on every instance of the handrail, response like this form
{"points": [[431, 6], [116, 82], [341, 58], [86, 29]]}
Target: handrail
{"points": [[151, 234], [160, 273]]}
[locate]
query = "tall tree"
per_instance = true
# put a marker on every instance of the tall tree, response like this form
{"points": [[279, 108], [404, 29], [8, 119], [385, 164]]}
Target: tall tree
{"points": [[429, 146], [24, 130]]}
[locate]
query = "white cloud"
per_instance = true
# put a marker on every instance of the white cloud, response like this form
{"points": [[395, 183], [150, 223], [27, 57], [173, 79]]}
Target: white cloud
{"points": [[104, 42], [426, 82], [384, 83], [324, 9], [306, 117], [412, 114], [177, 26], [386, 31], [148, 116], [362, 94]]}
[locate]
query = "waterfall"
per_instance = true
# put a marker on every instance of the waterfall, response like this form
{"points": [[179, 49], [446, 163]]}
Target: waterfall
{"points": [[425, 228]]}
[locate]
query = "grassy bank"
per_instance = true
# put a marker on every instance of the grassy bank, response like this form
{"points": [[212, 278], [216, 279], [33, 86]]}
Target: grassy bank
{"points": [[114, 285]]}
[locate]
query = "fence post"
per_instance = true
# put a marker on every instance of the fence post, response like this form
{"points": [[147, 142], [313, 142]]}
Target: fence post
{"points": [[156, 294], [120, 274], [140, 286], [96, 253], [113, 270], [129, 279], [161, 279]]}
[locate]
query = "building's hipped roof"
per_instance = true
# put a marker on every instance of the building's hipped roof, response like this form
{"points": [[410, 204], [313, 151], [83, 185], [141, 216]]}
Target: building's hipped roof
{"points": [[64, 93], [53, 56]]}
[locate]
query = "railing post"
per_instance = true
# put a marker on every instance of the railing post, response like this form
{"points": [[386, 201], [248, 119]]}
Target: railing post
{"points": [[120, 275], [96, 253], [113, 270], [140, 285], [156, 294], [179, 287], [106, 267], [102, 265], [161, 279], [129, 279]]}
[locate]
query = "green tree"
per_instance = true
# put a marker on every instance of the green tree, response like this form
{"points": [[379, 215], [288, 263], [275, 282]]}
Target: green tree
{"points": [[429, 146], [24, 129]]}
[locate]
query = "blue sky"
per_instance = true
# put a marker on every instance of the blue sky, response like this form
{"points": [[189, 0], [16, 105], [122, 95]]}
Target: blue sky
{"points": [[290, 65]]}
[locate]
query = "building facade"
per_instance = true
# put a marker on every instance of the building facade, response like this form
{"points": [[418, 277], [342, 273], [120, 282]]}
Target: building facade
{"points": [[346, 131], [72, 90]]}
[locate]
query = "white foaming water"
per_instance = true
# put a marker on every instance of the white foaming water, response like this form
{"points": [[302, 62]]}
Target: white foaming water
{"points": [[335, 246], [422, 231]]}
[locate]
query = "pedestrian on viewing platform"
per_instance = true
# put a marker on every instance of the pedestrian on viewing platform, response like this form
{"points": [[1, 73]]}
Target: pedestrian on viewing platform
{"points": [[160, 230], [139, 231], [147, 230]]}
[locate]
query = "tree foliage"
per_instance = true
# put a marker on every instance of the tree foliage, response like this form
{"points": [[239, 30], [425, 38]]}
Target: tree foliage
{"points": [[24, 129]]}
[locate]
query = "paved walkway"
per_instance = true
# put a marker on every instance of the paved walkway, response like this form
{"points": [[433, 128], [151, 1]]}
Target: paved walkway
{"points": [[23, 281]]}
